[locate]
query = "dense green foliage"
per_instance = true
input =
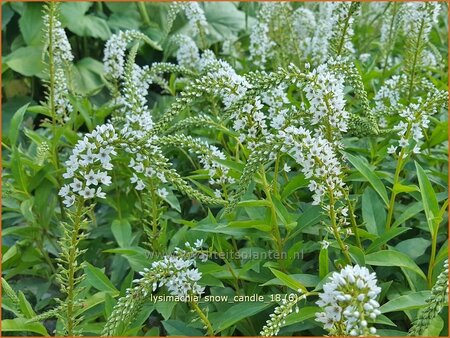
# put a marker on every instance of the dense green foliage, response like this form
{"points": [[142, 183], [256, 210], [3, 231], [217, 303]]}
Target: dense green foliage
{"points": [[292, 152]]}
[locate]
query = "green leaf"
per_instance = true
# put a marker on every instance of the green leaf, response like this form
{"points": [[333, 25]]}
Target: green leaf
{"points": [[165, 308], [294, 184], [413, 247], [393, 258], [31, 24], [16, 123], [247, 224], [238, 312], [224, 20], [88, 75], [363, 167], [26, 207], [121, 230], [289, 281], [412, 210], [26, 61], [97, 278], [357, 254], [323, 263], [439, 134], [21, 325], [429, 200], [303, 314], [7, 14], [385, 237], [410, 301], [93, 300], [172, 200], [398, 188], [373, 212], [254, 203], [179, 328], [73, 16], [25, 306], [136, 256]]}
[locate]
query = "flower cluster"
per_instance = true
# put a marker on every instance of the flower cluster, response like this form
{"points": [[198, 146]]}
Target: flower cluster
{"points": [[63, 107], [261, 45], [89, 164], [60, 55], [187, 54], [195, 15], [114, 52], [57, 41], [343, 31], [317, 159], [387, 99], [138, 120], [278, 317], [415, 119], [176, 272], [233, 86], [325, 92], [315, 42], [215, 168], [349, 301], [390, 27], [278, 105], [410, 127], [419, 17]]}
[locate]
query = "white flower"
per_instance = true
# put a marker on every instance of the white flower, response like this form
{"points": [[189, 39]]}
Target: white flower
{"points": [[64, 191], [100, 193], [69, 200], [198, 243], [87, 193], [162, 192], [324, 244], [416, 149], [87, 158], [392, 149], [103, 177], [286, 168], [103, 155], [403, 142], [140, 185], [91, 178]]}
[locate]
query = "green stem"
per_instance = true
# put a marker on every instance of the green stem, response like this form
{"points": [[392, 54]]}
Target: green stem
{"points": [[336, 234], [394, 193], [414, 63], [390, 36], [432, 259], [353, 220], [344, 31], [51, 63], [275, 176], [154, 214], [70, 300], [204, 319], [275, 230], [143, 12]]}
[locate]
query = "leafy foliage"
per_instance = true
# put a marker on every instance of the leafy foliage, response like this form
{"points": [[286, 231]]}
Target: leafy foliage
{"points": [[297, 152]]}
